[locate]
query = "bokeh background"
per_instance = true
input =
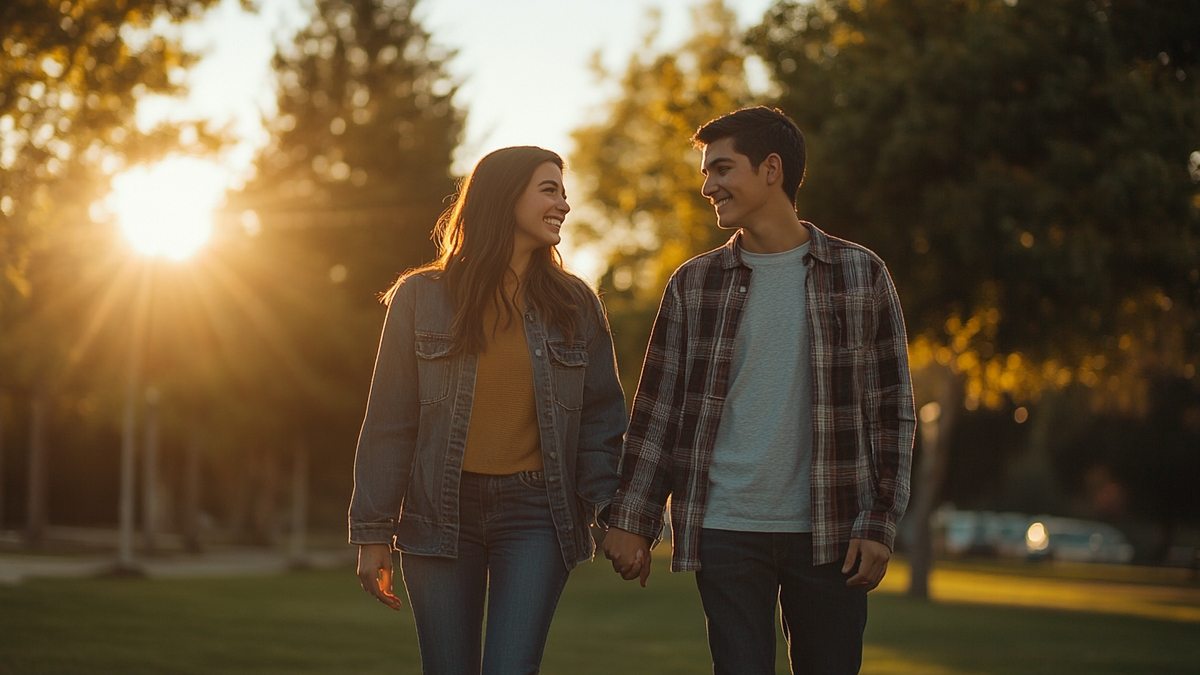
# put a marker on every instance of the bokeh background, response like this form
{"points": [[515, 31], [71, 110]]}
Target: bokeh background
{"points": [[200, 202]]}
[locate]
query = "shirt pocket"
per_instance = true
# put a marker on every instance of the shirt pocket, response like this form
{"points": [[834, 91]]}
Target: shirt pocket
{"points": [[433, 366], [569, 367], [852, 312]]}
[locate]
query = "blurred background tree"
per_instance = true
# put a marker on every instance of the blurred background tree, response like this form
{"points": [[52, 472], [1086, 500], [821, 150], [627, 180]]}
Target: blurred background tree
{"points": [[343, 201], [70, 77], [261, 346], [1024, 170], [639, 173]]}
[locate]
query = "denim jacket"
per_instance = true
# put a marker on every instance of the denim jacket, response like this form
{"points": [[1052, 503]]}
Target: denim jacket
{"points": [[410, 450]]}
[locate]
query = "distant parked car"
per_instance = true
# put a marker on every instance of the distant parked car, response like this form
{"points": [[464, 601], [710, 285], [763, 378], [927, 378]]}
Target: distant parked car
{"points": [[1076, 541], [982, 532]]}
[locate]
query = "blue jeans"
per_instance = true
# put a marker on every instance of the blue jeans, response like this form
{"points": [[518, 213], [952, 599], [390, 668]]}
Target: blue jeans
{"points": [[741, 576], [509, 554]]}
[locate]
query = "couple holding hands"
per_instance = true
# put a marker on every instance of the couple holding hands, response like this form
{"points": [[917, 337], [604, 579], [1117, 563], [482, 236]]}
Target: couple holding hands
{"points": [[774, 410]]}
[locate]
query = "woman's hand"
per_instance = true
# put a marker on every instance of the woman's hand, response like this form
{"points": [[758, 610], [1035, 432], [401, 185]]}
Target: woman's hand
{"points": [[375, 573]]}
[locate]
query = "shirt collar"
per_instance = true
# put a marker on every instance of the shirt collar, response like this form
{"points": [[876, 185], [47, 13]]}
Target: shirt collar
{"points": [[731, 252]]}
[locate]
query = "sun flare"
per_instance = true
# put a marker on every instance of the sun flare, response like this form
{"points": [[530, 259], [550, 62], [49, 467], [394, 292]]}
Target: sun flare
{"points": [[167, 208]]}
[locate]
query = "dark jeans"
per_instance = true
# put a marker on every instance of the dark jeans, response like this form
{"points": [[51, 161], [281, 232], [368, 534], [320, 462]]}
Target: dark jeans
{"points": [[507, 552], [741, 576]]}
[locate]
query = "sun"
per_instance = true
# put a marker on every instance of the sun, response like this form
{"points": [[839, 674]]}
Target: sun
{"points": [[166, 209]]}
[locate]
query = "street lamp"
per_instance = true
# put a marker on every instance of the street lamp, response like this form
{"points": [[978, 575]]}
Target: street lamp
{"points": [[165, 210]]}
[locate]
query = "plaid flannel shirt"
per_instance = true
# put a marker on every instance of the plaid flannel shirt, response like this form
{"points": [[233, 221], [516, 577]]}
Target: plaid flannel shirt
{"points": [[863, 414]]}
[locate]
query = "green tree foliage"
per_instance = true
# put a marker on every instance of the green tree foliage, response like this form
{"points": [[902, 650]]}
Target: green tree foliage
{"points": [[1025, 163], [638, 169], [359, 165]]}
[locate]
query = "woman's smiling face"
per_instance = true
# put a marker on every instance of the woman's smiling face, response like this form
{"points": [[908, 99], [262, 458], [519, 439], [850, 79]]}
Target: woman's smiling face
{"points": [[541, 209]]}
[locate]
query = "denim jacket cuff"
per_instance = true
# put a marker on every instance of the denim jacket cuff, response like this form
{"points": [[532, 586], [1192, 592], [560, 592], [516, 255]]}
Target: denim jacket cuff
{"points": [[372, 533]]}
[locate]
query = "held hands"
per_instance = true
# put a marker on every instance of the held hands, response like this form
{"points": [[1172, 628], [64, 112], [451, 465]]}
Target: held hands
{"points": [[629, 553], [375, 573], [872, 558]]}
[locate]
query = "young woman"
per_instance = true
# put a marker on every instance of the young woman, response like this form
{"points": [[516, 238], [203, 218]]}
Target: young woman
{"points": [[493, 428]]}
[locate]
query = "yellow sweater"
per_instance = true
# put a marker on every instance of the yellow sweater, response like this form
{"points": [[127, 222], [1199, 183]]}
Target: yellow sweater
{"points": [[503, 435]]}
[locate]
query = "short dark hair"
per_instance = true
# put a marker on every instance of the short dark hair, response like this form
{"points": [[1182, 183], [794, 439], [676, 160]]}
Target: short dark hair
{"points": [[756, 133]]}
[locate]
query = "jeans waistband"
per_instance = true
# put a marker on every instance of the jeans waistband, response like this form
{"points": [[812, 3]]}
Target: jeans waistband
{"points": [[528, 475]]}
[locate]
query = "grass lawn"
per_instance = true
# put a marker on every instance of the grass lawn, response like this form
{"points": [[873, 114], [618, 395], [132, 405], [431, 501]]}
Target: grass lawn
{"points": [[321, 622]]}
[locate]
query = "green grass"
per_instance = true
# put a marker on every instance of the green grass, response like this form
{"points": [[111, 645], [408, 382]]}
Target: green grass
{"points": [[321, 622]]}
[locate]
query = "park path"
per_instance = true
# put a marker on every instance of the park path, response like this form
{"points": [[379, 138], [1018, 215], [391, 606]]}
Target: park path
{"points": [[223, 562], [1175, 603]]}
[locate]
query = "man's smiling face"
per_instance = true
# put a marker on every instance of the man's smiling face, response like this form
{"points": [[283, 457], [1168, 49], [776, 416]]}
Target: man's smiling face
{"points": [[736, 189]]}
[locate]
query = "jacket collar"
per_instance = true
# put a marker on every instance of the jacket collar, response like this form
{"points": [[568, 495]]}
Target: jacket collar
{"points": [[731, 252]]}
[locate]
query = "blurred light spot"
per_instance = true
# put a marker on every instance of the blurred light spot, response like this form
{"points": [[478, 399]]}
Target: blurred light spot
{"points": [[1011, 3], [1027, 240], [1189, 371], [1125, 343], [1036, 538], [97, 212], [1020, 415], [622, 278], [52, 67], [337, 273], [250, 223], [930, 412], [6, 205], [338, 126]]}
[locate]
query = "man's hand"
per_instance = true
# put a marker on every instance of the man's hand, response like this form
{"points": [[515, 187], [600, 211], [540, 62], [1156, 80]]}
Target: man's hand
{"points": [[375, 573], [629, 553], [872, 558]]}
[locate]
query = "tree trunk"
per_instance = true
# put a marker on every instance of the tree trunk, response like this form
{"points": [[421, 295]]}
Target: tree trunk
{"points": [[299, 506], [191, 496], [150, 474], [35, 512], [3, 492], [936, 423]]}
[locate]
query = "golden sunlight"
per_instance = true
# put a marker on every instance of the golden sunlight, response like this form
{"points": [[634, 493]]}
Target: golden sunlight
{"points": [[167, 208]]}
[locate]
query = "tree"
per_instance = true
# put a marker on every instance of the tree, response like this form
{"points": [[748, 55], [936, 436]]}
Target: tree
{"points": [[69, 85], [638, 168], [343, 201], [70, 78], [1024, 169]]}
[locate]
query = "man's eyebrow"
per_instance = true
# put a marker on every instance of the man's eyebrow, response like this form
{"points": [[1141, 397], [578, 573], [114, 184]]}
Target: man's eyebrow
{"points": [[713, 161]]}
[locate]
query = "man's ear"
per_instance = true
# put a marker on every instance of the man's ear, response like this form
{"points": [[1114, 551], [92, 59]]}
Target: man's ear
{"points": [[773, 165]]}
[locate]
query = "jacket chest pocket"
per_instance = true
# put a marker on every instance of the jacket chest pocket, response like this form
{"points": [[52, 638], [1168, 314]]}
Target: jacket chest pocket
{"points": [[853, 312], [568, 365], [433, 367]]}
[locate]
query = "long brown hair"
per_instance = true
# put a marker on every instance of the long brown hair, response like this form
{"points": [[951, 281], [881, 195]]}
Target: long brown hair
{"points": [[475, 247]]}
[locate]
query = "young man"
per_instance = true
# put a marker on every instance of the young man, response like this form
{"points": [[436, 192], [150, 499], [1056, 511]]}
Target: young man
{"points": [[775, 410]]}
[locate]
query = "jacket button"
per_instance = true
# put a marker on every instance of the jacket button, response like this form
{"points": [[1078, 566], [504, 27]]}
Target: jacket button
{"points": [[537, 352], [553, 455], [741, 289]]}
